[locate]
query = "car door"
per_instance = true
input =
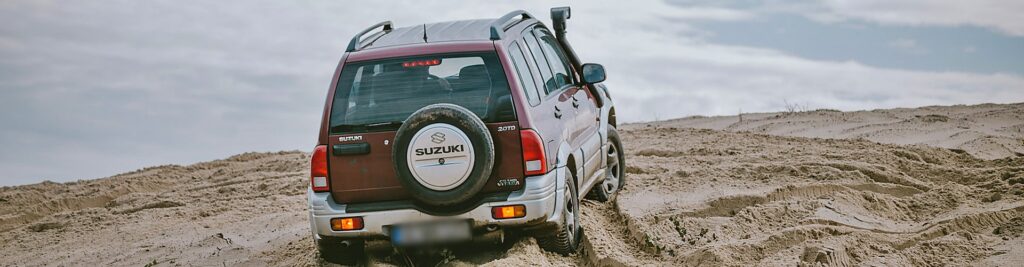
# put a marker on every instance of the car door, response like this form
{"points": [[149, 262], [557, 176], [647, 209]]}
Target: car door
{"points": [[555, 118], [582, 102], [587, 125]]}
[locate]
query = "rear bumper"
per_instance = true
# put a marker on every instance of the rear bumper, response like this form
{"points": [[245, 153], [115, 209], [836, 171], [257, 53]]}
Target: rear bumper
{"points": [[540, 194]]}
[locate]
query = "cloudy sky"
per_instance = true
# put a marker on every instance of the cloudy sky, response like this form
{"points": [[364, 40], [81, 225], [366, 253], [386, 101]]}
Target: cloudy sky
{"points": [[93, 88]]}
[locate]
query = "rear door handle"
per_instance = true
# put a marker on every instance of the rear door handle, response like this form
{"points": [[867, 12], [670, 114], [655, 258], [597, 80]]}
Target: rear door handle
{"points": [[351, 149]]}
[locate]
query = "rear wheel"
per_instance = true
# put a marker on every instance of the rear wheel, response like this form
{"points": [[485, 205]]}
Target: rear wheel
{"points": [[566, 240], [615, 172], [337, 251]]}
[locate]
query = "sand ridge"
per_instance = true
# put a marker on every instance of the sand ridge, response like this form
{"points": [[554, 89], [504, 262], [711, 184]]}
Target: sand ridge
{"points": [[693, 197], [987, 131]]}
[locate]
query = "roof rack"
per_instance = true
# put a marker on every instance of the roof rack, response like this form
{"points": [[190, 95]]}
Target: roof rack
{"points": [[497, 27], [355, 40]]}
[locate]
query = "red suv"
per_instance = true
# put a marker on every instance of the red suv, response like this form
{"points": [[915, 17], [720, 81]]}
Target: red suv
{"points": [[448, 132]]}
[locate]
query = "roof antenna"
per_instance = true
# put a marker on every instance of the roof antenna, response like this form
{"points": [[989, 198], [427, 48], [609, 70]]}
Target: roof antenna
{"points": [[424, 33]]}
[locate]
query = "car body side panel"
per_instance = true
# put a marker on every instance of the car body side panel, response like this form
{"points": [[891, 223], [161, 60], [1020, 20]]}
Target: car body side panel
{"points": [[605, 120], [591, 150], [588, 125], [602, 137]]}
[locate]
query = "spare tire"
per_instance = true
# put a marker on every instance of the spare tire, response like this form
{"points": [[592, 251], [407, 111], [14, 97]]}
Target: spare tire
{"points": [[443, 155]]}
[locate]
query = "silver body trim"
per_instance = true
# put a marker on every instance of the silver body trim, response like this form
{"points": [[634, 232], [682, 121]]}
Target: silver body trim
{"points": [[540, 194]]}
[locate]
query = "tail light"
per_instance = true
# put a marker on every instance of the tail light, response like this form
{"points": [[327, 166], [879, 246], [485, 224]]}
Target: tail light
{"points": [[508, 212], [534, 157], [347, 224], [318, 170]]}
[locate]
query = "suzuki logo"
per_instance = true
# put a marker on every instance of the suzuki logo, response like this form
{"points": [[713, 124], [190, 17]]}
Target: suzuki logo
{"points": [[350, 138], [437, 138]]}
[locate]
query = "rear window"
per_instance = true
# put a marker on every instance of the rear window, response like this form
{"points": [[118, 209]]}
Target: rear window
{"points": [[378, 95]]}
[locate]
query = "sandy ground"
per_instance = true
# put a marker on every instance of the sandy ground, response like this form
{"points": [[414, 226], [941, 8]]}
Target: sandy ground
{"points": [[693, 197]]}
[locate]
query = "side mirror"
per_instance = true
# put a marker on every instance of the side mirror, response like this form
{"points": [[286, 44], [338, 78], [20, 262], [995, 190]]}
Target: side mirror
{"points": [[593, 73]]}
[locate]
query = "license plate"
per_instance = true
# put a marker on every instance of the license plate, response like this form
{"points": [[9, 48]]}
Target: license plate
{"points": [[430, 233]]}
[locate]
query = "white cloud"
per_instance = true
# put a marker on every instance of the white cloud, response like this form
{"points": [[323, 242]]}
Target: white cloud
{"points": [[1001, 15], [707, 13], [657, 75]]}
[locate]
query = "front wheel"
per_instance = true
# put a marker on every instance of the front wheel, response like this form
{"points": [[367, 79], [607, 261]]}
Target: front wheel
{"points": [[566, 240], [615, 172]]}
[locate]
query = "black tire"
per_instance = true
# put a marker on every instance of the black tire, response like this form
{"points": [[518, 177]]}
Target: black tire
{"points": [[483, 149], [615, 172], [336, 251], [566, 239]]}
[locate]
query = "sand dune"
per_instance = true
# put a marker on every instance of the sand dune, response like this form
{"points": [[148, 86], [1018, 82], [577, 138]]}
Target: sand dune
{"points": [[770, 190], [987, 131]]}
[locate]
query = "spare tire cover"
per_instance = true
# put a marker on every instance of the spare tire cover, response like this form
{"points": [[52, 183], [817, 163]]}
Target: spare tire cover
{"points": [[443, 155]]}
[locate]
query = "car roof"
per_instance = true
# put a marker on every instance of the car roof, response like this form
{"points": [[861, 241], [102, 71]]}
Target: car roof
{"points": [[448, 31]]}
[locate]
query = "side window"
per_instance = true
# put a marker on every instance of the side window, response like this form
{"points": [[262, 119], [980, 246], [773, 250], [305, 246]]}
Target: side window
{"points": [[559, 63], [542, 64], [525, 76]]}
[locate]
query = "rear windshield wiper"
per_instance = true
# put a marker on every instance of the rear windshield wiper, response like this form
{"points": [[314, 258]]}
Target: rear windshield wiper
{"points": [[365, 127], [388, 124]]}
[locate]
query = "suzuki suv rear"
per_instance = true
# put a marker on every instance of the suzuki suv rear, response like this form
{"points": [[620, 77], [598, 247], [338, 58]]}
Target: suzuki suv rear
{"points": [[448, 132]]}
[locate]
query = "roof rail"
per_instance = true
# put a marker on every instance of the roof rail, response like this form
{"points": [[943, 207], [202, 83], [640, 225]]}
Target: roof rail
{"points": [[355, 40], [498, 26]]}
